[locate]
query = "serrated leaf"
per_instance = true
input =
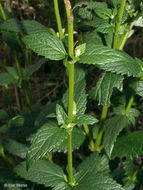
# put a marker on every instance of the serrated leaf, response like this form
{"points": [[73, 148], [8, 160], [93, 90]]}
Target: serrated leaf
{"points": [[84, 119], [133, 113], [103, 90], [93, 37], [25, 27], [92, 175], [105, 28], [14, 147], [46, 45], [42, 172], [129, 184], [46, 139], [112, 60], [137, 86], [114, 126], [80, 97], [62, 186], [29, 70], [128, 167], [78, 138], [62, 117], [6, 79], [130, 146], [79, 74]]}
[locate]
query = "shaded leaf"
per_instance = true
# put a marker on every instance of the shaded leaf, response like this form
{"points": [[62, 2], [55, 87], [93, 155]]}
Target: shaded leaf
{"points": [[46, 139], [114, 126], [103, 90], [14, 147], [130, 146], [42, 172], [6, 79]]}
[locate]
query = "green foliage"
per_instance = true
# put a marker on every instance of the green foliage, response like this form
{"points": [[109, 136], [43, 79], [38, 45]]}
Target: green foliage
{"points": [[42, 172], [84, 119], [111, 60], [46, 139], [129, 146], [14, 147], [80, 97], [78, 137], [137, 86], [46, 45], [6, 79], [114, 126], [24, 27], [103, 90]]}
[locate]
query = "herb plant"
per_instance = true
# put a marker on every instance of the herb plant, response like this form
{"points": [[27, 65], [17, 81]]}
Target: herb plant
{"points": [[112, 141]]}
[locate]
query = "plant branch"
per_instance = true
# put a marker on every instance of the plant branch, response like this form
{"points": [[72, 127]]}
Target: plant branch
{"points": [[117, 27], [2, 12], [90, 141], [71, 85], [58, 18], [131, 100], [102, 128]]}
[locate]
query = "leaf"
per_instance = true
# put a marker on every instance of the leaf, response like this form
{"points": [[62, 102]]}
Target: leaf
{"points": [[46, 45], [128, 167], [12, 40], [103, 90], [84, 119], [6, 79], [78, 138], [42, 172], [93, 175], [3, 115], [112, 60], [24, 27], [137, 86], [79, 74], [62, 186], [130, 146], [46, 139], [133, 113], [93, 37], [14, 147], [129, 184], [105, 28], [29, 70], [80, 97], [13, 72], [61, 115], [114, 126]]}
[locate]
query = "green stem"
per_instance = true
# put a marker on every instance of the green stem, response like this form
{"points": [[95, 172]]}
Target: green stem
{"points": [[58, 18], [2, 12], [24, 85], [102, 128], [133, 177], [122, 41], [71, 86], [17, 64], [117, 27], [91, 142], [131, 100]]}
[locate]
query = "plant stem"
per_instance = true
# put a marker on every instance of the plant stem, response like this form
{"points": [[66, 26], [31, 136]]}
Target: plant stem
{"points": [[133, 177], [90, 141], [102, 128], [117, 27], [122, 41], [24, 85], [71, 86], [2, 12], [131, 100], [58, 18]]}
